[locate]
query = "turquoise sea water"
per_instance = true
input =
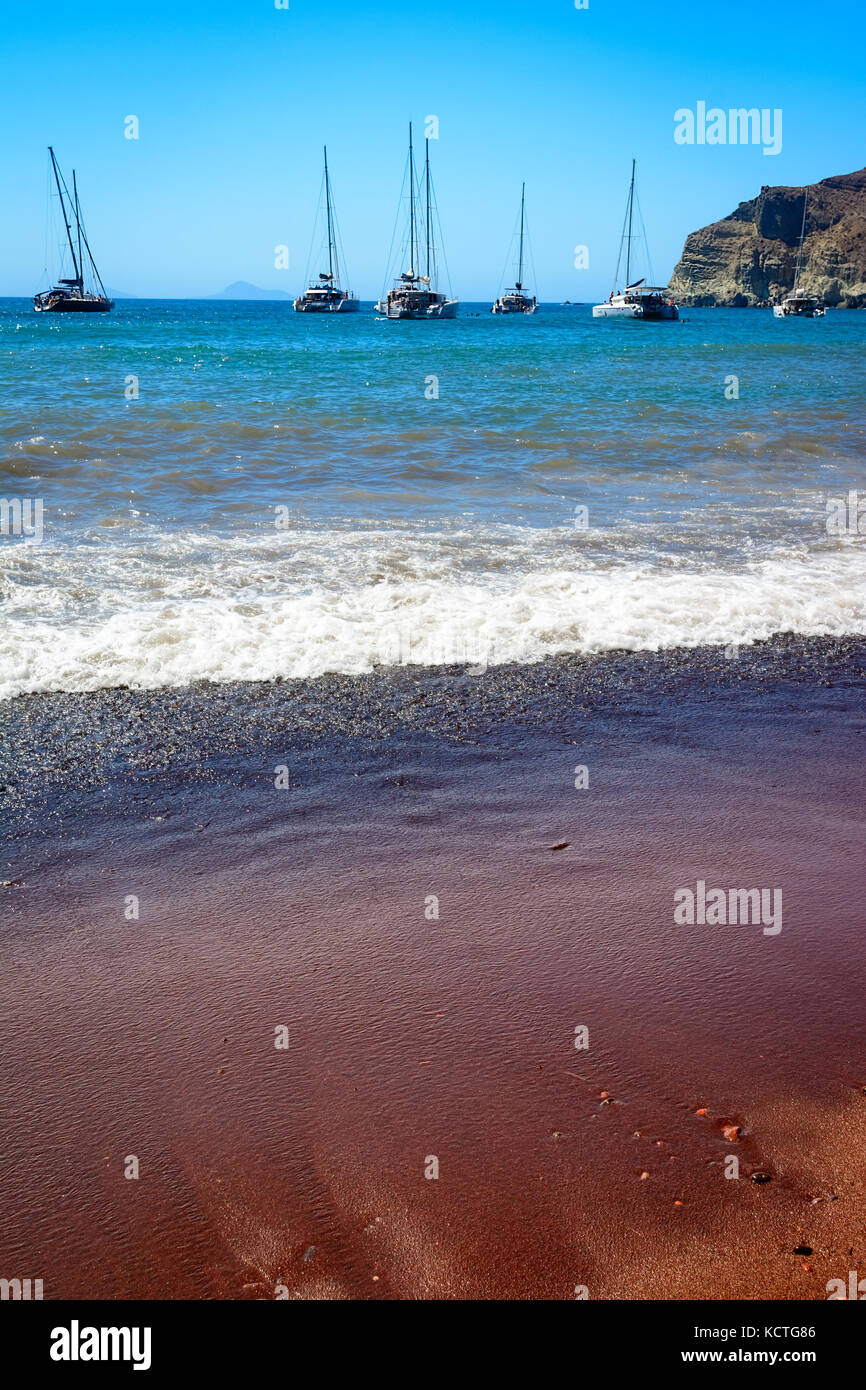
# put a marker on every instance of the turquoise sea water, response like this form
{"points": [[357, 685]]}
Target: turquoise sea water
{"points": [[233, 490]]}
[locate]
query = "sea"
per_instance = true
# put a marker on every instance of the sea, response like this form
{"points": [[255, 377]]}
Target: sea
{"points": [[229, 491], [379, 686]]}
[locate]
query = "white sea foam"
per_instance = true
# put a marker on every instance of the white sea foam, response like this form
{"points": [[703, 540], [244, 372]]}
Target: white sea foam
{"points": [[166, 610]]}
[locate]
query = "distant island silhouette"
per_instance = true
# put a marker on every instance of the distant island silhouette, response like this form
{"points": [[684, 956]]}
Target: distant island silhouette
{"points": [[242, 289]]}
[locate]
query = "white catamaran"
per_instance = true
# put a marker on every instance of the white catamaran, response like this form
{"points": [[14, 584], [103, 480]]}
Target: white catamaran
{"points": [[326, 296], [514, 301], [416, 296], [70, 296], [799, 304], [638, 301]]}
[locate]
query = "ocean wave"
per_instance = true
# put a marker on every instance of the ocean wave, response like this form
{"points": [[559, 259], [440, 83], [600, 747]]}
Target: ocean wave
{"points": [[150, 641]]}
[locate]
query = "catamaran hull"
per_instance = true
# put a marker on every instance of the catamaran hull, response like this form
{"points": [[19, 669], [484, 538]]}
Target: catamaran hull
{"points": [[781, 312], [507, 309], [636, 312], [448, 310], [341, 306], [617, 311]]}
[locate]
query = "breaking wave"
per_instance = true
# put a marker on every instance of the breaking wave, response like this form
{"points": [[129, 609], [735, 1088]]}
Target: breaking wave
{"points": [[169, 610]]}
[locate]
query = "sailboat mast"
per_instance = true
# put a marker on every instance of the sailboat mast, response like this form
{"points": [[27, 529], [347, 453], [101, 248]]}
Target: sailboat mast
{"points": [[427, 197], [630, 211], [78, 225], [520, 262], [330, 222], [411, 205], [78, 275], [800, 247]]}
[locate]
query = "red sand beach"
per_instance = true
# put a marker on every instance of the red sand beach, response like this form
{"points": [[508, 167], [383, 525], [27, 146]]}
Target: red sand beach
{"points": [[301, 1171]]}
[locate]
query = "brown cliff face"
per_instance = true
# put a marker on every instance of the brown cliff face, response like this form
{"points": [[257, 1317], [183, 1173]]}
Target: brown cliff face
{"points": [[749, 257]]}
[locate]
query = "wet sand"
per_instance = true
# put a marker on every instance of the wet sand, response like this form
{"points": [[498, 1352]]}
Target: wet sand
{"points": [[412, 1036]]}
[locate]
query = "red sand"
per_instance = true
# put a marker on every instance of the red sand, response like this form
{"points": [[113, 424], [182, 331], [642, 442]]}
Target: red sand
{"points": [[454, 1037]]}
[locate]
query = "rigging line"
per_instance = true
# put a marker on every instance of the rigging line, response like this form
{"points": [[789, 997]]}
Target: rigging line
{"points": [[78, 224], [60, 180], [419, 197], [431, 269], [427, 207], [56, 233], [330, 225], [96, 273], [630, 216], [531, 260], [339, 256], [413, 244], [621, 244], [508, 256], [650, 272], [802, 235], [438, 223], [47, 220], [505, 267], [315, 245], [412, 270], [81, 226], [339, 252], [394, 235], [519, 280]]}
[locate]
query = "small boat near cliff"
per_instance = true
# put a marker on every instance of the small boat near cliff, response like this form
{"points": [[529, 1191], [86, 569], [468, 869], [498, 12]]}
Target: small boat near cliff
{"points": [[638, 301], [71, 295], [416, 296], [326, 296], [515, 301], [798, 304]]}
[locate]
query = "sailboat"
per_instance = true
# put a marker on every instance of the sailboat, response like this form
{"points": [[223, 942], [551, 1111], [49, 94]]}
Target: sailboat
{"points": [[70, 296], [798, 303], [326, 296], [638, 301], [416, 296], [514, 301]]}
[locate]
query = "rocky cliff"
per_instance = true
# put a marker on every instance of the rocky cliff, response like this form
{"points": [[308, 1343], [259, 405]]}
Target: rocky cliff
{"points": [[749, 257]]}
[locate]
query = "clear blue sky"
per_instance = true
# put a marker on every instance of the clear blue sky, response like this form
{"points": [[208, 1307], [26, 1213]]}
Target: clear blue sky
{"points": [[235, 99]]}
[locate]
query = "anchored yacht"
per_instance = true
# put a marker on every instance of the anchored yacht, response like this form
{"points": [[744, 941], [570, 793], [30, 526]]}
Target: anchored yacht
{"points": [[325, 296], [515, 301], [417, 296], [72, 296], [798, 304], [637, 300]]}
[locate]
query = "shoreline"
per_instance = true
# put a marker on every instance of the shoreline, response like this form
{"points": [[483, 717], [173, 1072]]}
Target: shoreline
{"points": [[413, 1035], [76, 740]]}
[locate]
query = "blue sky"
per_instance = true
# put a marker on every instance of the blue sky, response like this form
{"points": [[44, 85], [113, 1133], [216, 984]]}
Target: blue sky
{"points": [[235, 99]]}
